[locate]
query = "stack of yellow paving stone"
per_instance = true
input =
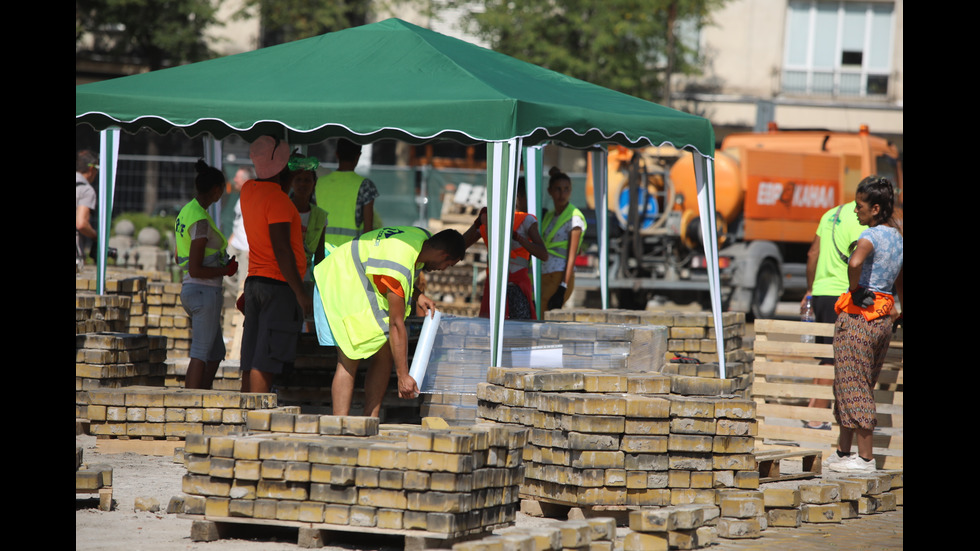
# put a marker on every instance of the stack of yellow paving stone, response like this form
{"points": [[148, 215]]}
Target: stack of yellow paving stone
{"points": [[834, 499], [343, 472], [594, 534], [673, 527], [624, 439], [97, 313], [154, 412], [114, 360], [166, 317], [743, 514], [122, 308]]}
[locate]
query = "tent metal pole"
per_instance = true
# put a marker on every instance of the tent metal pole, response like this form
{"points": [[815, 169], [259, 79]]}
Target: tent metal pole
{"points": [[108, 155], [600, 188], [502, 170], [532, 176], [704, 173]]}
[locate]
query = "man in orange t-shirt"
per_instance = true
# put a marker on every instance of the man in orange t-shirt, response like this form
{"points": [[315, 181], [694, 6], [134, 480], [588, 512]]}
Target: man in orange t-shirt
{"points": [[275, 301]]}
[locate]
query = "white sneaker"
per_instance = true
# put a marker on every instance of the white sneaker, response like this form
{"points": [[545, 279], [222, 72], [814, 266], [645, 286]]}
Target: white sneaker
{"points": [[854, 464], [833, 459]]}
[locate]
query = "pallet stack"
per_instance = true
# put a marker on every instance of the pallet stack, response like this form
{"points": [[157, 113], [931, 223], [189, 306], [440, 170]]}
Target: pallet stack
{"points": [[346, 472], [606, 438], [139, 412], [116, 360]]}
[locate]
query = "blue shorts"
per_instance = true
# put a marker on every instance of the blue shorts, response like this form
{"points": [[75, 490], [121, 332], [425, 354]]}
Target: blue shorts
{"points": [[323, 333], [203, 303]]}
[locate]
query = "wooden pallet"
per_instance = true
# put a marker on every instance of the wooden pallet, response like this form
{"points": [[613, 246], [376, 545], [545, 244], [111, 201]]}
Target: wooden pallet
{"points": [[786, 371], [313, 535], [768, 462]]}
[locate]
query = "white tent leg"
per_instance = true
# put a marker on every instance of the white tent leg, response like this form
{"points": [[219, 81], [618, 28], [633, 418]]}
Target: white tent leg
{"points": [[600, 189], [704, 173], [502, 171], [532, 174], [108, 153]]}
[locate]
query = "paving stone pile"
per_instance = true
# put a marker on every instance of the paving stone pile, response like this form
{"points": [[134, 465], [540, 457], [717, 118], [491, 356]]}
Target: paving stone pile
{"points": [[594, 534], [627, 439], [156, 412], [349, 471], [115, 360]]}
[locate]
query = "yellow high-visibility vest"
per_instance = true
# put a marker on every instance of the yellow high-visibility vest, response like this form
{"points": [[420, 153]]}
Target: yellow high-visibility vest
{"points": [[191, 214], [356, 311]]}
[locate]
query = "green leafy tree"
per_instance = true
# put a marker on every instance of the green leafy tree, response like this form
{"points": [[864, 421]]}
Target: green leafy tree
{"points": [[155, 33], [625, 45], [289, 20]]}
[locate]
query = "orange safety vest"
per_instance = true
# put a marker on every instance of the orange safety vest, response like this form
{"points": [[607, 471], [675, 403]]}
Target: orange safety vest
{"points": [[882, 306], [515, 252]]}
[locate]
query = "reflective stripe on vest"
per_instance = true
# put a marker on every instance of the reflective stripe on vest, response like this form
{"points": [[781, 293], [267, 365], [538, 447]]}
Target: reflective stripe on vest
{"points": [[552, 225], [191, 214], [336, 193]]}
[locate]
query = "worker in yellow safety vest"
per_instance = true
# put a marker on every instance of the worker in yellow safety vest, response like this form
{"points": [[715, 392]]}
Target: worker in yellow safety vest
{"points": [[365, 288], [563, 230], [201, 254], [347, 197]]}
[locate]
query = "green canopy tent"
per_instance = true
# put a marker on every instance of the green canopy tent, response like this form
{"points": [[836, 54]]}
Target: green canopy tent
{"points": [[395, 80]]}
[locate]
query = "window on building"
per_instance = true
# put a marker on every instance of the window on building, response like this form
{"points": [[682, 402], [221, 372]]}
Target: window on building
{"points": [[838, 48]]}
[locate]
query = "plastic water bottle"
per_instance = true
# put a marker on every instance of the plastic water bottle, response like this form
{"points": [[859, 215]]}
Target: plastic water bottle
{"points": [[807, 315]]}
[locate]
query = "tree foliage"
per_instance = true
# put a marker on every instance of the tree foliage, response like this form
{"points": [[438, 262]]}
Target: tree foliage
{"points": [[625, 45], [289, 20], [156, 33]]}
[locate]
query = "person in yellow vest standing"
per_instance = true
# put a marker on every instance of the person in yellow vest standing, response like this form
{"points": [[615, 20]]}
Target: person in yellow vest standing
{"points": [[364, 292], [201, 253], [347, 197], [563, 230]]}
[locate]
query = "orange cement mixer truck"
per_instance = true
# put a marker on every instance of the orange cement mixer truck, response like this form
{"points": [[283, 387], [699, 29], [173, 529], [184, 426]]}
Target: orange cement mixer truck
{"points": [[770, 189]]}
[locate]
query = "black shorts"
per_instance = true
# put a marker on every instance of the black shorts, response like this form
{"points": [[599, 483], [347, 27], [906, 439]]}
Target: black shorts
{"points": [[273, 320]]}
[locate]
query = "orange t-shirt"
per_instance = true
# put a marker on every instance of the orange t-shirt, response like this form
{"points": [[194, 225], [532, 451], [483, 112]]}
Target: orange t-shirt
{"points": [[387, 283], [264, 203]]}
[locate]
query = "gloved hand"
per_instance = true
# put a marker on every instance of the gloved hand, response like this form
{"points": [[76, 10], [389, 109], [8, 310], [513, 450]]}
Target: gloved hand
{"points": [[558, 298], [232, 267], [863, 297]]}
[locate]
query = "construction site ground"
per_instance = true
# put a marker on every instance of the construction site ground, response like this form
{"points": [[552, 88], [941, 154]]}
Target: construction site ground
{"points": [[144, 478]]}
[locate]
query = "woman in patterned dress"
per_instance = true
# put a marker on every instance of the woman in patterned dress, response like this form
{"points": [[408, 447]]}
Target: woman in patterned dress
{"points": [[864, 324]]}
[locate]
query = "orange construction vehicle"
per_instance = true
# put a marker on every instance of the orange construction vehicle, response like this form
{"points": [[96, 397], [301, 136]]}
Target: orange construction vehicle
{"points": [[770, 190]]}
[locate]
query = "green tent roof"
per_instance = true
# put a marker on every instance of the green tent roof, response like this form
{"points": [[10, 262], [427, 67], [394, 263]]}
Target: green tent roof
{"points": [[385, 80]]}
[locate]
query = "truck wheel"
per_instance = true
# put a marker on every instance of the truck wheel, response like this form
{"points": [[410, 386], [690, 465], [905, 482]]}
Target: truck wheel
{"points": [[768, 288]]}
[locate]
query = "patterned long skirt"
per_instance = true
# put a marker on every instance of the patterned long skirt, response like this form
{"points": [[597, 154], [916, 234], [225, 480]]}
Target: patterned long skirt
{"points": [[859, 352]]}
